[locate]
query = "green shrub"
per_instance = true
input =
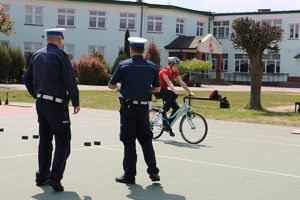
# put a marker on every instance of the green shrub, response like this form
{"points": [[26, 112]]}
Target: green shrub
{"points": [[5, 62], [121, 56], [90, 71], [17, 65], [194, 65]]}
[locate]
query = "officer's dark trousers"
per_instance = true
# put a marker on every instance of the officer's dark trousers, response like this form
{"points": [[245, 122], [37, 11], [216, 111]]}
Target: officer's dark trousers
{"points": [[169, 98], [53, 121], [135, 125]]}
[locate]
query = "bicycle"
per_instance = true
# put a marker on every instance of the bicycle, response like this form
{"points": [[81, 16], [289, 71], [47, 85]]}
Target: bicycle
{"points": [[193, 126]]}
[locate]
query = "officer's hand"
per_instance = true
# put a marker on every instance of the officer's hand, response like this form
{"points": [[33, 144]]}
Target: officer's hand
{"points": [[76, 109]]}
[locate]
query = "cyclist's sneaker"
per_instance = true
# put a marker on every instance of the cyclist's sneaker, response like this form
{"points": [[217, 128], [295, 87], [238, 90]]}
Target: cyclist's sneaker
{"points": [[171, 133]]}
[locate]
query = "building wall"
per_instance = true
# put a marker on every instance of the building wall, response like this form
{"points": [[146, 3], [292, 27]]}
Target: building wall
{"points": [[113, 38]]}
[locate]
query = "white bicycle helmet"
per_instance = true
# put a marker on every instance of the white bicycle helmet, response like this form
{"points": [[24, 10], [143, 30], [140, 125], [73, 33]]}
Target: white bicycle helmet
{"points": [[174, 60]]}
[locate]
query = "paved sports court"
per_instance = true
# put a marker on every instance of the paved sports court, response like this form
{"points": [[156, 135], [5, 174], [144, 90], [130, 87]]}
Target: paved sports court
{"points": [[237, 161]]}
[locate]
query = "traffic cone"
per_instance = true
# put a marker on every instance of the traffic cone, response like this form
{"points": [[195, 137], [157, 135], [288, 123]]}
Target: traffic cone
{"points": [[6, 101]]}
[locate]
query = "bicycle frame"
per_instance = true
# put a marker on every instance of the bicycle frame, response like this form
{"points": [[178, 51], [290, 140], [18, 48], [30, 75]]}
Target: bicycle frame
{"points": [[183, 110]]}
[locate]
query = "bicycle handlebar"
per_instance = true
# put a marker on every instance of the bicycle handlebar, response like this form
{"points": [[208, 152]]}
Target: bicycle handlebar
{"points": [[189, 97]]}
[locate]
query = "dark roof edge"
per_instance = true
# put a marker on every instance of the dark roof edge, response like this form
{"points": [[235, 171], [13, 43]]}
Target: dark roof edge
{"points": [[134, 3], [256, 13]]}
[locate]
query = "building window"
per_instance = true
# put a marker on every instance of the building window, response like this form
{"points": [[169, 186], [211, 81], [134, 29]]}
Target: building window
{"points": [[221, 29], [31, 47], [5, 8], [127, 20], [66, 17], [241, 63], [273, 22], [224, 66], [96, 48], [179, 26], [97, 19], [271, 63], [154, 23], [34, 15], [294, 31], [70, 50], [199, 30], [4, 43]]}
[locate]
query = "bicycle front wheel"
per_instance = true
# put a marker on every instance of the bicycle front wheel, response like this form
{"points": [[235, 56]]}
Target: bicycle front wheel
{"points": [[193, 128], [155, 123]]}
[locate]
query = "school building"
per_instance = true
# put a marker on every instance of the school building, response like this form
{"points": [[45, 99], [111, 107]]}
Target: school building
{"points": [[100, 25]]}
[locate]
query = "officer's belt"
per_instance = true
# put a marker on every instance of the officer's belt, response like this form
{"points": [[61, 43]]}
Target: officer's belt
{"points": [[48, 97], [134, 102]]}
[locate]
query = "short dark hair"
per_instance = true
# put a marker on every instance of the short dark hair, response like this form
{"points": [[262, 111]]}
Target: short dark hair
{"points": [[138, 49]]}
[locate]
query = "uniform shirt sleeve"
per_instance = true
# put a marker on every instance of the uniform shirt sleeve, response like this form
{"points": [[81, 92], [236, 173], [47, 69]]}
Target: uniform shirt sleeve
{"points": [[70, 81], [116, 77], [28, 79]]}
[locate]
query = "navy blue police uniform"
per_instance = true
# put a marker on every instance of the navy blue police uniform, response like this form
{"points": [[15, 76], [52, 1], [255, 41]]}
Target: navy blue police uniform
{"points": [[136, 76], [50, 79]]}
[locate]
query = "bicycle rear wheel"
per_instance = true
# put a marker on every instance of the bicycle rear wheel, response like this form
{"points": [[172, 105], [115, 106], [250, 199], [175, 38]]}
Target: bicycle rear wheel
{"points": [[156, 124], [193, 128]]}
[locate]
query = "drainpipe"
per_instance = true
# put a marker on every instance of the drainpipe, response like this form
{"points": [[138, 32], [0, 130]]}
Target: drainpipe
{"points": [[142, 19], [209, 22]]}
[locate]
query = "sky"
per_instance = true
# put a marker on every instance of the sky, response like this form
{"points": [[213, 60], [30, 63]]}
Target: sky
{"points": [[224, 6]]}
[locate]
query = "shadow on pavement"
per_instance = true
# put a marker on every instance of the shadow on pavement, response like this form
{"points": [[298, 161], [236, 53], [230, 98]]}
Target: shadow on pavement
{"points": [[154, 191], [50, 194], [182, 144]]}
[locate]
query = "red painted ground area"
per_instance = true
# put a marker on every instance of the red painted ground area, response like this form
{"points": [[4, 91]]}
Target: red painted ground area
{"points": [[16, 111]]}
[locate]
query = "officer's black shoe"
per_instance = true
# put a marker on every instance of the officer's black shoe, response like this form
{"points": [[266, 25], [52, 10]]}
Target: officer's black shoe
{"points": [[41, 183], [57, 186], [125, 179], [154, 177]]}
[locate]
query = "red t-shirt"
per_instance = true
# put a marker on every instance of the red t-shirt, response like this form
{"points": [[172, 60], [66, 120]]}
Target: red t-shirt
{"points": [[167, 71]]}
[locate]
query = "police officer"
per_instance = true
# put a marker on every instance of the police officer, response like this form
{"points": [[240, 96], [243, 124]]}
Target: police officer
{"points": [[49, 79], [138, 78]]}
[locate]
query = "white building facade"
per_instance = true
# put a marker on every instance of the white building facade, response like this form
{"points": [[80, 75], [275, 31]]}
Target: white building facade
{"points": [[99, 25]]}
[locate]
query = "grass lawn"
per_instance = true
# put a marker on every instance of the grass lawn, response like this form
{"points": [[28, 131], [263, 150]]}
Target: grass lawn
{"points": [[279, 105]]}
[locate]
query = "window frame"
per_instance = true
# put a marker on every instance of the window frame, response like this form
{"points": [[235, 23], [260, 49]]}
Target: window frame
{"points": [[66, 15], [97, 48], [97, 16], [199, 28], [239, 60], [180, 26], [34, 15], [155, 22], [70, 54], [221, 27], [34, 46], [295, 28], [127, 19]]}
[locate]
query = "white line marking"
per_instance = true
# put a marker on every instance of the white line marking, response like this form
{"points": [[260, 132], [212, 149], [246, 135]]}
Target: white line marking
{"points": [[219, 165], [257, 141], [168, 157]]}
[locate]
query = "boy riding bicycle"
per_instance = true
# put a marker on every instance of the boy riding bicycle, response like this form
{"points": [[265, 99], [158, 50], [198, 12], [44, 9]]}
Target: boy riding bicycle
{"points": [[168, 91]]}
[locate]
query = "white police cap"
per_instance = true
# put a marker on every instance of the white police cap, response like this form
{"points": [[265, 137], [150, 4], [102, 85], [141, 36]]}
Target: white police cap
{"points": [[136, 41], [55, 32]]}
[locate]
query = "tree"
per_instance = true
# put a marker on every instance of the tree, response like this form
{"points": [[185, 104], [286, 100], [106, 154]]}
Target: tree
{"points": [[126, 43], [17, 65], [254, 38], [121, 56], [152, 54], [5, 62], [6, 23]]}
